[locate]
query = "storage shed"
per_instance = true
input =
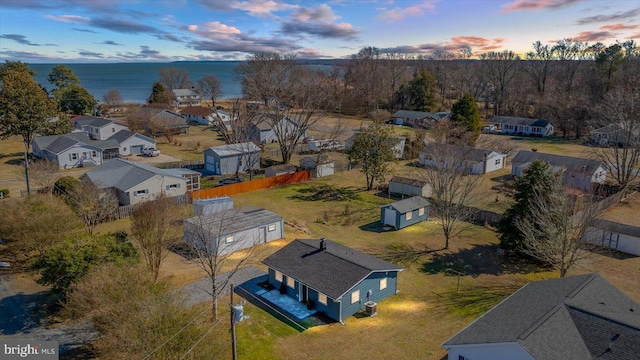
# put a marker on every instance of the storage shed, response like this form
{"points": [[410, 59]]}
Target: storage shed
{"points": [[407, 187], [281, 169], [403, 213], [210, 206]]}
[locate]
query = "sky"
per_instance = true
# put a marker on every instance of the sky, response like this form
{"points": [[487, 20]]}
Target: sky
{"points": [[99, 31]]}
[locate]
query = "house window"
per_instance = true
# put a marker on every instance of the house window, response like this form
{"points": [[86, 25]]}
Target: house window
{"points": [[113, 129], [94, 153], [497, 161], [409, 215], [173, 186], [383, 283], [73, 156], [460, 357], [141, 192], [421, 211], [355, 296], [272, 227], [228, 239], [322, 298], [124, 148], [291, 282], [278, 276]]}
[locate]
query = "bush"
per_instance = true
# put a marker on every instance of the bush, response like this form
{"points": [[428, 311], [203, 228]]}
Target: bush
{"points": [[65, 184], [5, 193]]}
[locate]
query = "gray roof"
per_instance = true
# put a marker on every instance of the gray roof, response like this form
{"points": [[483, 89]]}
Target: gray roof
{"points": [[408, 181], [244, 218], [421, 114], [512, 120], [409, 204], [333, 271], [235, 149], [59, 143], [616, 227], [105, 144], [181, 171], [470, 154], [92, 121], [185, 92], [123, 135], [123, 174], [572, 164], [577, 317]]}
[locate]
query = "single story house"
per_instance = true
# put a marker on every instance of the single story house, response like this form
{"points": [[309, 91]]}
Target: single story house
{"points": [[322, 167], [74, 150], [614, 134], [97, 128], [186, 97], [198, 115], [522, 126], [131, 143], [135, 182], [330, 277], [232, 158], [419, 118], [474, 160], [281, 169], [406, 212], [227, 231], [263, 128], [573, 318], [155, 121], [579, 173], [404, 186]]}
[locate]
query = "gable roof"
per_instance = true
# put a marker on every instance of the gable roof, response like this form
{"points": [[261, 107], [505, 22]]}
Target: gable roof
{"points": [[197, 111], [409, 204], [513, 120], [92, 121], [572, 164], [408, 181], [56, 144], [283, 167], [616, 227], [410, 114], [471, 154], [124, 174], [244, 218], [185, 92], [123, 135], [577, 317], [235, 149], [333, 271]]}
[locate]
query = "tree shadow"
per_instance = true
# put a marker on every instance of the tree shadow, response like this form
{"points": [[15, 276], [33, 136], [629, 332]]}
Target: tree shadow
{"points": [[22, 312], [375, 226], [2, 155], [325, 192], [478, 260]]}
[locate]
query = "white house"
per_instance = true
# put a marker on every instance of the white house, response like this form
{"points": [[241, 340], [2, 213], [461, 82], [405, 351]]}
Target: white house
{"points": [[131, 143], [579, 173], [97, 128], [522, 126], [476, 161], [232, 158], [156, 120], [135, 182], [576, 317], [419, 118], [614, 134], [263, 129], [198, 115], [186, 97], [74, 150]]}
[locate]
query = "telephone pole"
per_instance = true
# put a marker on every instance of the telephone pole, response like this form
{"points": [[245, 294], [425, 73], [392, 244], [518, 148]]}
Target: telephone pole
{"points": [[233, 327]]}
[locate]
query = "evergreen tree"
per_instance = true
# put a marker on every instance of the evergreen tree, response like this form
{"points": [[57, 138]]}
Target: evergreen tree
{"points": [[72, 98], [160, 94], [419, 94], [465, 113], [538, 177]]}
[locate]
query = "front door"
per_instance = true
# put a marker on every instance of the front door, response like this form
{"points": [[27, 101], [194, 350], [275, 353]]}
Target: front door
{"points": [[304, 296]]}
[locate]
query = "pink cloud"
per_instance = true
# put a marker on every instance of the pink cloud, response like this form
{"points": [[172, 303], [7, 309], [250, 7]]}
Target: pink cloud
{"points": [[213, 29], [593, 36], [619, 27], [399, 13], [532, 5]]}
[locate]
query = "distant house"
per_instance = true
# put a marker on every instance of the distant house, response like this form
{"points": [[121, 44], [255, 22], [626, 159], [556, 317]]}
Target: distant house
{"points": [[476, 161], [397, 146], [131, 143], [419, 118], [322, 167], [262, 130], [198, 115], [579, 173], [404, 186], [230, 230], [331, 278], [186, 97], [232, 158], [74, 150], [577, 317], [281, 169], [614, 134], [324, 144], [522, 126], [403, 213], [156, 120], [134, 182], [97, 128]]}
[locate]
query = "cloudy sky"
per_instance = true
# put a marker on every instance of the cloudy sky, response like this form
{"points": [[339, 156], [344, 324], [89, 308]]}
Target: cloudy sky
{"points": [[41, 31]]}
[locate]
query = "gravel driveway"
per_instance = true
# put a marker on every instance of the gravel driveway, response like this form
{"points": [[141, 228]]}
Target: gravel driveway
{"points": [[198, 292]]}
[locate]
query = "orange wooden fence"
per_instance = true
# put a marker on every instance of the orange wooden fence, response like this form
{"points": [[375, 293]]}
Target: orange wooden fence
{"points": [[253, 185]]}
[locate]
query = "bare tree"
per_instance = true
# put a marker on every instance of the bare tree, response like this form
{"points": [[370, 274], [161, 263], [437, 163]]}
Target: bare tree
{"points": [[45, 173], [539, 64], [453, 185], [500, 68], [154, 224], [570, 55], [92, 205], [214, 240], [174, 78], [166, 126], [209, 87], [621, 153], [112, 98], [553, 231], [241, 120]]}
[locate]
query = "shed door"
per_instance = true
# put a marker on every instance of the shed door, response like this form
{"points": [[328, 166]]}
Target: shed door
{"points": [[136, 150], [390, 217]]}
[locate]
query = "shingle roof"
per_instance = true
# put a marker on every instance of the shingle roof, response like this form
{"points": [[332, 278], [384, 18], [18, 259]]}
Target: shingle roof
{"points": [[421, 114], [512, 120], [572, 164], [123, 174], [244, 218], [234, 149], [92, 121], [616, 227], [408, 181], [197, 110], [470, 154], [409, 204], [333, 271], [283, 167], [574, 317], [184, 92], [123, 135]]}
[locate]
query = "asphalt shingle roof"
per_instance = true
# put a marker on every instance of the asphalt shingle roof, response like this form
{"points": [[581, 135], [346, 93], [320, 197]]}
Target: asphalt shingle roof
{"points": [[333, 271], [572, 164], [123, 174], [235, 149], [408, 181], [470, 154], [123, 135], [409, 204], [197, 110], [244, 218], [92, 121], [575, 317], [512, 120]]}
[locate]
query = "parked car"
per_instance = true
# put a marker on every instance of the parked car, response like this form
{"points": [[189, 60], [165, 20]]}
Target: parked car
{"points": [[228, 181], [489, 129], [150, 152]]}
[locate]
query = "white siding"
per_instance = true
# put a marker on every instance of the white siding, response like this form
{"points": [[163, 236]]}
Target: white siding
{"points": [[511, 351], [106, 132], [72, 157], [624, 243], [125, 146], [156, 186]]}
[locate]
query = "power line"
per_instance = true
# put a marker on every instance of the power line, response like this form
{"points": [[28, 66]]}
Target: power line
{"points": [[174, 335], [199, 340]]}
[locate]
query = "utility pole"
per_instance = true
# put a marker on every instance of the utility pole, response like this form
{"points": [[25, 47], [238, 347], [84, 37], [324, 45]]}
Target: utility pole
{"points": [[233, 327]]}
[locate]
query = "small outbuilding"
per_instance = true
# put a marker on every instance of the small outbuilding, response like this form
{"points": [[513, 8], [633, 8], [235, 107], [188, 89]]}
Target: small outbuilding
{"points": [[407, 187], [213, 205], [403, 213], [321, 167], [232, 158], [281, 169]]}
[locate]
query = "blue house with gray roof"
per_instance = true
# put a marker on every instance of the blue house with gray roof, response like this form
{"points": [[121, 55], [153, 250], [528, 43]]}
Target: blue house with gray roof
{"points": [[330, 277], [522, 126], [403, 213]]}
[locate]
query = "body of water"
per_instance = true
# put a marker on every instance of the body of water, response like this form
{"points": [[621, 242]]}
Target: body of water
{"points": [[135, 80]]}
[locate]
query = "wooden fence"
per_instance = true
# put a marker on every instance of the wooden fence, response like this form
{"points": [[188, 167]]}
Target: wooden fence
{"points": [[253, 185]]}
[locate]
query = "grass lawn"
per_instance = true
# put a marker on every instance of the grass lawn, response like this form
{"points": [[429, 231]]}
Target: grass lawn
{"points": [[189, 147]]}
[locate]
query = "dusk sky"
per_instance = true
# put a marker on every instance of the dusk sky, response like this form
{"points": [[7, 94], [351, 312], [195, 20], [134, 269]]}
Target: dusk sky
{"points": [[43, 31]]}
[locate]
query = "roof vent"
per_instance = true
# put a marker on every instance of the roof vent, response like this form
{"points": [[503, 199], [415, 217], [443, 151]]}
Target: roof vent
{"points": [[323, 244]]}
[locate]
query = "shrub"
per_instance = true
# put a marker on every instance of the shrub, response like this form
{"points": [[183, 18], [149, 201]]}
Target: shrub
{"points": [[65, 184]]}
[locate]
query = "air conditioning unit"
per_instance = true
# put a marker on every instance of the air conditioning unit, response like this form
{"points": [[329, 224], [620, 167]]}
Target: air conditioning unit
{"points": [[370, 308]]}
